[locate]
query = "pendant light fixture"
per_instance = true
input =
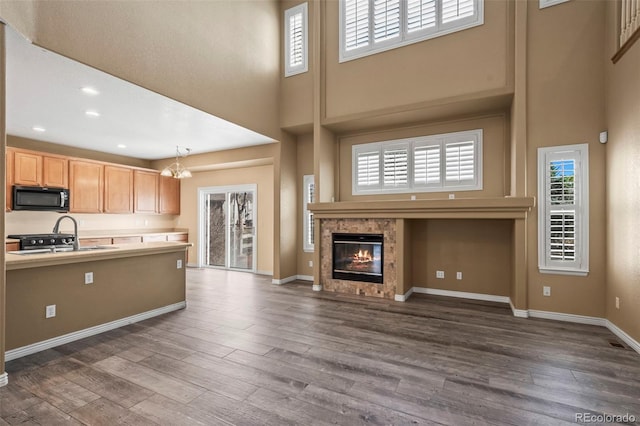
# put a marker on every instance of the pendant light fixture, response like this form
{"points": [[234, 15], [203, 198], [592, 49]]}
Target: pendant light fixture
{"points": [[177, 170]]}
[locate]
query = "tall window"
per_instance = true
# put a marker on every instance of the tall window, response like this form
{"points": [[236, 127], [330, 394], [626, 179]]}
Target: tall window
{"points": [[295, 40], [308, 227], [563, 211], [372, 26], [447, 162]]}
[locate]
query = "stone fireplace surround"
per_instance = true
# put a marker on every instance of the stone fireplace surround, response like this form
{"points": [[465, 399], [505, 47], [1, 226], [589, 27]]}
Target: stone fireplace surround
{"points": [[389, 217]]}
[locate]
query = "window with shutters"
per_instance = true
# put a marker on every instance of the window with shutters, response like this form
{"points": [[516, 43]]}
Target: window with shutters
{"points": [[308, 228], [447, 162], [372, 26], [563, 211], [295, 40]]}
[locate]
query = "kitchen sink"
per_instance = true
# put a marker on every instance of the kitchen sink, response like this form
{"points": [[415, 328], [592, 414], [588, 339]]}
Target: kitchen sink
{"points": [[60, 250]]}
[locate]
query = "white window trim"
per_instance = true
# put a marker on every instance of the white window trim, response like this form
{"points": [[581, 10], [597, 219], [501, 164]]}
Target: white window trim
{"points": [[549, 3], [307, 246], [304, 67], [581, 190], [405, 37], [442, 140]]}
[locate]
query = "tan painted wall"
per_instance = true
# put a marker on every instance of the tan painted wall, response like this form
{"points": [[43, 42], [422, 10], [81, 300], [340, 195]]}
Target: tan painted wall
{"points": [[286, 203], [188, 51], [296, 91], [121, 288], [623, 183], [480, 249], [260, 175], [566, 106], [471, 61], [305, 167], [494, 147]]}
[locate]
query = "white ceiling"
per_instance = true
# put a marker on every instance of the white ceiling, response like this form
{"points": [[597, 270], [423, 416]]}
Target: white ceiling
{"points": [[44, 89]]}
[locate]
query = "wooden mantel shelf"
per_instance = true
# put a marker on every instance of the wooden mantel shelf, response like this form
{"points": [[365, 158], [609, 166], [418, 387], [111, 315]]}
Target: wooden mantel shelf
{"points": [[459, 208]]}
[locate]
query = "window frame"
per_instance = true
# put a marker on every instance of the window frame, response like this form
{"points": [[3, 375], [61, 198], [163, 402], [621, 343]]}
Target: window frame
{"points": [[579, 153], [441, 140], [307, 216], [405, 38], [290, 70]]}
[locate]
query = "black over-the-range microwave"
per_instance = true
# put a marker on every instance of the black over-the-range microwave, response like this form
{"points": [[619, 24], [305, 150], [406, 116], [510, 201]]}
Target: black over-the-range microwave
{"points": [[40, 199]]}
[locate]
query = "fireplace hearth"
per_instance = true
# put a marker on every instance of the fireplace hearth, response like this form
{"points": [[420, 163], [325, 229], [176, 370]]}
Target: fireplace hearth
{"points": [[358, 257]]}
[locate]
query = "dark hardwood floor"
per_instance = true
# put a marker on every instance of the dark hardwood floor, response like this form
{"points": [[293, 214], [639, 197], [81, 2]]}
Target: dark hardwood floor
{"points": [[246, 352]]}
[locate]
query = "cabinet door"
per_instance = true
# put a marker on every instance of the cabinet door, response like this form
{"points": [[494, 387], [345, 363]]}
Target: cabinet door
{"points": [[118, 190], [169, 195], [55, 172], [9, 178], [86, 186], [145, 191], [27, 168]]}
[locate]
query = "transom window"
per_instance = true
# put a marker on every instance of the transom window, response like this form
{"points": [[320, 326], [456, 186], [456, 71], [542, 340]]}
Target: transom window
{"points": [[446, 162], [372, 26], [563, 219], [295, 40]]}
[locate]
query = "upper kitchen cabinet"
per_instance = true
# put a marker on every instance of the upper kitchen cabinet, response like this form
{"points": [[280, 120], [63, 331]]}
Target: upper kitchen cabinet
{"points": [[87, 186], [145, 191], [169, 195], [9, 177], [118, 189], [35, 169]]}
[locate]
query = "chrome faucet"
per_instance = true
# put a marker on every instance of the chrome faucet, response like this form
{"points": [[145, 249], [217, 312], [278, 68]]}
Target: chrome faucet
{"points": [[76, 245]]}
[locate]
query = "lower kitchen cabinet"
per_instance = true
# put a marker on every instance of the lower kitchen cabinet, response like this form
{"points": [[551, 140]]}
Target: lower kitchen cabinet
{"points": [[95, 242]]}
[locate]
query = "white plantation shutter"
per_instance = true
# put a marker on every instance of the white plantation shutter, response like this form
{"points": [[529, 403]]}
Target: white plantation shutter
{"points": [[295, 40], [426, 165], [309, 224], [421, 14], [386, 19], [453, 10], [368, 168], [371, 26], [460, 162], [356, 24], [563, 216], [396, 167]]}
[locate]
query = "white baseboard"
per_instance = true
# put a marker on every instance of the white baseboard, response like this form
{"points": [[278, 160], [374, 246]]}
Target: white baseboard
{"points": [[623, 336], [317, 287], [558, 316], [305, 277], [4, 379], [461, 294], [284, 280], [403, 297], [87, 332], [518, 313]]}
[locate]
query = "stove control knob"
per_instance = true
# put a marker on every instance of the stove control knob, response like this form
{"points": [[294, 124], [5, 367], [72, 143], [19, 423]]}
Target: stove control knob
{"points": [[52, 241], [32, 242], [40, 242]]}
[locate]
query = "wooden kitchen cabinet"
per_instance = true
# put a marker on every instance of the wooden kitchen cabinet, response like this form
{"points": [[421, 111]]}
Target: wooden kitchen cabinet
{"points": [[12, 246], [118, 190], [152, 238], [169, 195], [145, 191], [86, 186], [55, 172], [27, 168], [127, 240], [84, 242], [9, 178]]}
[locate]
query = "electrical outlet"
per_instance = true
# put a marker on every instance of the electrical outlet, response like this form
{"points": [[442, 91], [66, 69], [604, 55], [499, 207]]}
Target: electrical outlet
{"points": [[88, 277], [452, 196], [311, 264], [179, 264], [546, 290], [458, 275], [50, 311], [617, 302], [413, 198], [440, 274]]}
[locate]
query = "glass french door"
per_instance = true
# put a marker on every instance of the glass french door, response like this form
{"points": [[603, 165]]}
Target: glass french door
{"points": [[227, 227]]}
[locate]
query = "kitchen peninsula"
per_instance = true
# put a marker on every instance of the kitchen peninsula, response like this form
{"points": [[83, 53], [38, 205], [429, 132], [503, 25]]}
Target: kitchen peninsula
{"points": [[92, 291]]}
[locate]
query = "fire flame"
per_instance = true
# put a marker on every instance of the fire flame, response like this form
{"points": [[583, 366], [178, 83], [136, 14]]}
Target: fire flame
{"points": [[362, 257]]}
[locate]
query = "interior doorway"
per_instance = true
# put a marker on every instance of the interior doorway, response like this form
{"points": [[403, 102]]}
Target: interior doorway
{"points": [[227, 227]]}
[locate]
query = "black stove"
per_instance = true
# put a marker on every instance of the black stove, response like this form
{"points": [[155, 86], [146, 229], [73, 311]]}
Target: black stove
{"points": [[36, 241]]}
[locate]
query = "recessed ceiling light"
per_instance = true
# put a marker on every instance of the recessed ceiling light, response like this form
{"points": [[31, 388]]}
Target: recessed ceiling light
{"points": [[121, 145], [38, 129], [88, 90], [92, 113]]}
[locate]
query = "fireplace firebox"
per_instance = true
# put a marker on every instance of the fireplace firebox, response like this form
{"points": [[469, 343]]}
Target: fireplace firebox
{"points": [[358, 257]]}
